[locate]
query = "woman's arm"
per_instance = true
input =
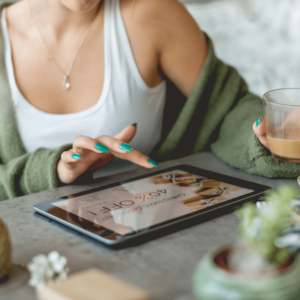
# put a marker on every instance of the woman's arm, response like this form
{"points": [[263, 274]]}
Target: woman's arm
{"points": [[182, 46], [179, 43], [219, 111], [29, 173], [238, 145], [44, 169]]}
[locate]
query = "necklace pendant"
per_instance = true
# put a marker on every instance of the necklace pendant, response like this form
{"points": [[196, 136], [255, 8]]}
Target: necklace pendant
{"points": [[66, 84]]}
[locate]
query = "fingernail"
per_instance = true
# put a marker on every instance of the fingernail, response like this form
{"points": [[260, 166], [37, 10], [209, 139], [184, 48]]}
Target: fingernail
{"points": [[135, 125], [101, 148], [125, 147], [152, 162], [257, 121], [76, 156]]}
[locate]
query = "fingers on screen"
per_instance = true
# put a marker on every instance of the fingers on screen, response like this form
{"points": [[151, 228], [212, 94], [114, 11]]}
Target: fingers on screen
{"points": [[137, 158], [100, 145], [106, 144]]}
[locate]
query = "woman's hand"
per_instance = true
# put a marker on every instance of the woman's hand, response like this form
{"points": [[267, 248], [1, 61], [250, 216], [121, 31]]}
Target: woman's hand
{"points": [[90, 154], [260, 129]]}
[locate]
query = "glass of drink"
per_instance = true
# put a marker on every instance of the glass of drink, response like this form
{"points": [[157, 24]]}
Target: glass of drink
{"points": [[282, 114]]}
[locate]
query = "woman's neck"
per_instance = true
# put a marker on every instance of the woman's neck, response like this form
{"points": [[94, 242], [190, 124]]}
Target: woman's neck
{"points": [[57, 19]]}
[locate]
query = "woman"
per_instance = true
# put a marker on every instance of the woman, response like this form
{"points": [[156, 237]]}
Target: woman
{"points": [[58, 56]]}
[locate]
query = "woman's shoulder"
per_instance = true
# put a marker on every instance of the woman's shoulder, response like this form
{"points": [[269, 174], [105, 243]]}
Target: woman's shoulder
{"points": [[154, 10], [17, 18], [157, 19]]}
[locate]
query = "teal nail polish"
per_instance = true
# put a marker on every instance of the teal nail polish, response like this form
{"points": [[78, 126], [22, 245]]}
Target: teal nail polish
{"points": [[125, 147], [135, 125], [101, 148], [152, 162], [76, 156], [257, 121]]}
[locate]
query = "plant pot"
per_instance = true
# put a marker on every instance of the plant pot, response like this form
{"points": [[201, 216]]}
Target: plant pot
{"points": [[214, 280]]}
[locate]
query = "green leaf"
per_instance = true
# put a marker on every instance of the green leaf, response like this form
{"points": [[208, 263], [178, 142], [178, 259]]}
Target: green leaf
{"points": [[260, 228]]}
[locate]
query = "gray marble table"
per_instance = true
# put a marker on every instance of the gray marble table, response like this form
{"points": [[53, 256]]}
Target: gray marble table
{"points": [[164, 267]]}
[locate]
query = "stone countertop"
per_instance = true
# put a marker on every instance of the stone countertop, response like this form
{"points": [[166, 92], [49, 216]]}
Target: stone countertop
{"points": [[164, 267]]}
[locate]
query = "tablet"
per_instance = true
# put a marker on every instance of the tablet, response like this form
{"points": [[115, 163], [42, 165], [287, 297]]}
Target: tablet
{"points": [[124, 210]]}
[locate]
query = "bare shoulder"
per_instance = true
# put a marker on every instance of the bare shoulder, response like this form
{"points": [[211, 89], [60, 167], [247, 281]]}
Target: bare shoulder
{"points": [[162, 19], [159, 10], [17, 17], [172, 34]]}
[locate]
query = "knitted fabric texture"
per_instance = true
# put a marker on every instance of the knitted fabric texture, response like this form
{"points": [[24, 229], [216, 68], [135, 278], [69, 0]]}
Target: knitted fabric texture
{"points": [[217, 116]]}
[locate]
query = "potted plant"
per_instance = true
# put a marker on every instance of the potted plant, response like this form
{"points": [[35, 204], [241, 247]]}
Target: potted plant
{"points": [[263, 265]]}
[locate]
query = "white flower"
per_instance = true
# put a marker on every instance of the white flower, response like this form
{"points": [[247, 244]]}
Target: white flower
{"points": [[60, 264], [40, 259], [53, 256], [47, 269]]}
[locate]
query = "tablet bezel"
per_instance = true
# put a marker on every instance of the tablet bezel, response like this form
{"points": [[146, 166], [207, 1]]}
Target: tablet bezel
{"points": [[258, 190]]}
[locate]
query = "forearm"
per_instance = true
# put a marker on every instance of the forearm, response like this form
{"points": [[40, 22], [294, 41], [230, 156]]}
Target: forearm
{"points": [[30, 173], [238, 146]]}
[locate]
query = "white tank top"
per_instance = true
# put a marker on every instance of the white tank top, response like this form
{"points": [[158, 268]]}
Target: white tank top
{"points": [[125, 99]]}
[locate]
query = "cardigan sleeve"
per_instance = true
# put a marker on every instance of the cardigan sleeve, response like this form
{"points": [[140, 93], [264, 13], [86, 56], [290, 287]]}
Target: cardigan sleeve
{"points": [[21, 173], [218, 116], [238, 146], [29, 173]]}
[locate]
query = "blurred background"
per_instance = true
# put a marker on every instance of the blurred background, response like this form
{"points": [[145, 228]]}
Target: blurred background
{"points": [[261, 38]]}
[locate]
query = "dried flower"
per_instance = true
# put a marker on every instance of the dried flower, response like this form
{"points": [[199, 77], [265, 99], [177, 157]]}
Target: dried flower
{"points": [[47, 269]]}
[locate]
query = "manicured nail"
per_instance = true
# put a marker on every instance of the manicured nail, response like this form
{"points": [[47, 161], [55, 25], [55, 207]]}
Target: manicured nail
{"points": [[76, 156], [125, 147], [258, 121], [135, 125], [101, 148], [152, 162]]}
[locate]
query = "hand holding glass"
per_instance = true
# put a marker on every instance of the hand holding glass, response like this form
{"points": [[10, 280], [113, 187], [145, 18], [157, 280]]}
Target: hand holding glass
{"points": [[282, 115]]}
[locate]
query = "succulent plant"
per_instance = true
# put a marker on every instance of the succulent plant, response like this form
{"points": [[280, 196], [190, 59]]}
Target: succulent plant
{"points": [[262, 225]]}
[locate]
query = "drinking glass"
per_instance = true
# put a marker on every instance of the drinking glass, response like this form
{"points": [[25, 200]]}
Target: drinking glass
{"points": [[282, 114]]}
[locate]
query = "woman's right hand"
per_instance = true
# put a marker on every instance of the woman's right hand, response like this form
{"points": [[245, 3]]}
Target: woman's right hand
{"points": [[260, 129], [90, 154]]}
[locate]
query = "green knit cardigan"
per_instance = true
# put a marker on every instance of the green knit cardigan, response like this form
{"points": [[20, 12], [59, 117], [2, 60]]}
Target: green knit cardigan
{"points": [[217, 116]]}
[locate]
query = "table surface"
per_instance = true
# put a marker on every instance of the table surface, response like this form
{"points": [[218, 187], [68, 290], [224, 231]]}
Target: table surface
{"points": [[164, 267]]}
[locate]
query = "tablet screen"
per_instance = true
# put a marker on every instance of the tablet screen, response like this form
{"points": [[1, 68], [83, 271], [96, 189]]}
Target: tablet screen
{"points": [[140, 204]]}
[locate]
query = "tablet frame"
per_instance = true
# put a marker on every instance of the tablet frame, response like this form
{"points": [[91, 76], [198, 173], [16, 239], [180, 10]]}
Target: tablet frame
{"points": [[206, 214]]}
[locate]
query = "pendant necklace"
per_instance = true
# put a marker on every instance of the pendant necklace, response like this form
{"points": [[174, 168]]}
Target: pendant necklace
{"points": [[66, 83]]}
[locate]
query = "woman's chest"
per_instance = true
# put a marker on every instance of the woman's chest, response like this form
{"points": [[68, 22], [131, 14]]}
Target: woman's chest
{"points": [[40, 78], [107, 117], [41, 62]]}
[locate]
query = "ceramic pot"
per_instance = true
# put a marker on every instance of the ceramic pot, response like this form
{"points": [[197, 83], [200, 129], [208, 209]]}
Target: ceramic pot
{"points": [[214, 280]]}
